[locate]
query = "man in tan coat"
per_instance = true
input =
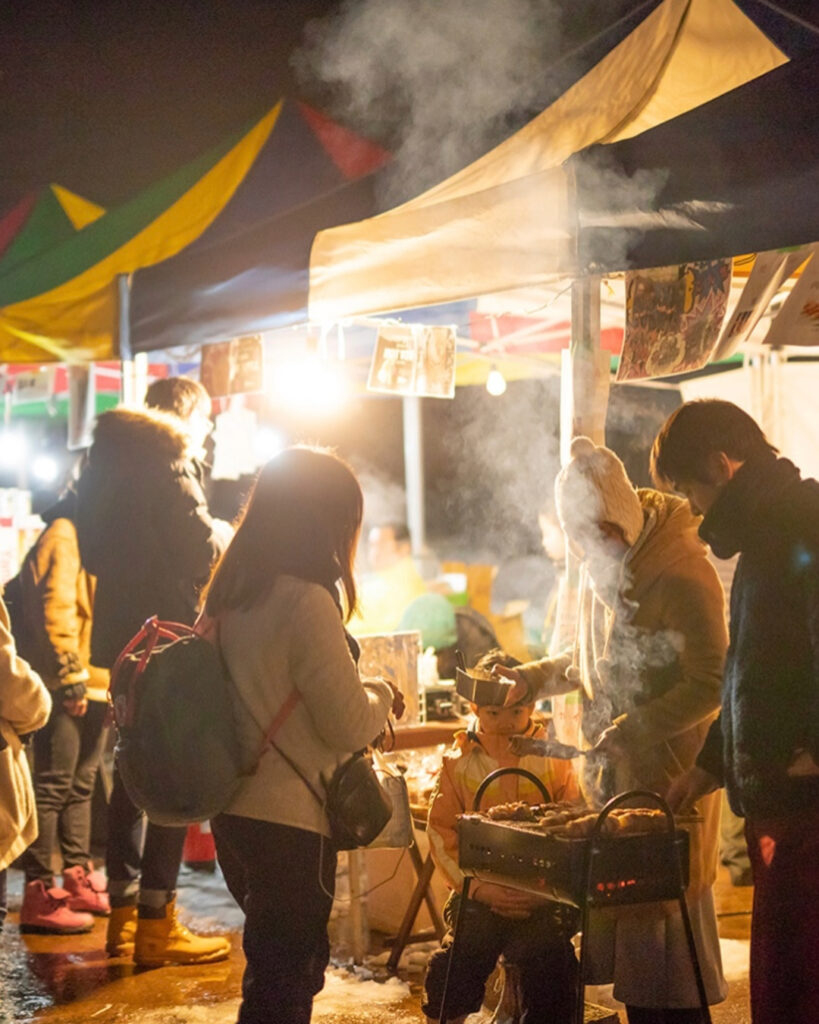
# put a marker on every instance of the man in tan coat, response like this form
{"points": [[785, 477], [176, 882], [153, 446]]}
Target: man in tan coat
{"points": [[25, 705], [648, 659]]}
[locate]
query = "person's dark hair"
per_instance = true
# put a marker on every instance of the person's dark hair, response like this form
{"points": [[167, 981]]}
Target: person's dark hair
{"points": [[303, 518], [698, 429], [180, 396], [484, 665]]}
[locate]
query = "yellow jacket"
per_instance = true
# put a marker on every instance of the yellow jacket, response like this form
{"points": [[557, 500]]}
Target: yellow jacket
{"points": [[472, 757], [58, 601]]}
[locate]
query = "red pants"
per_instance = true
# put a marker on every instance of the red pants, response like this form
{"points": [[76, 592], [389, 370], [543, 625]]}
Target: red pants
{"points": [[785, 926]]}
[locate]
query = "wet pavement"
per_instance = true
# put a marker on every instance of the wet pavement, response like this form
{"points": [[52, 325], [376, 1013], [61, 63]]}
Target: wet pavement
{"points": [[69, 980]]}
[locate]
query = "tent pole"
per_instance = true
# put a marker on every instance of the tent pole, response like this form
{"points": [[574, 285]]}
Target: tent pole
{"points": [[584, 392], [126, 358], [414, 471]]}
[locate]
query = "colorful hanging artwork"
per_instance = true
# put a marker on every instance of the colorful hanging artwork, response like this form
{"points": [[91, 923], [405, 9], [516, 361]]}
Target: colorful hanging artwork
{"points": [[673, 318]]}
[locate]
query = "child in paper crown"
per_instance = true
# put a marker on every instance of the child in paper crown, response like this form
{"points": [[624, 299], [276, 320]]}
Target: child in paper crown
{"points": [[532, 933]]}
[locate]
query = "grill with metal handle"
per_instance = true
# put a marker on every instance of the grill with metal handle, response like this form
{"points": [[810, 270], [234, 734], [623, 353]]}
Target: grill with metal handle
{"points": [[598, 870]]}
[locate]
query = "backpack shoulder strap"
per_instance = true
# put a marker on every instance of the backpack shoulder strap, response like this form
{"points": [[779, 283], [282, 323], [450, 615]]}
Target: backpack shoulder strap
{"points": [[282, 715]]}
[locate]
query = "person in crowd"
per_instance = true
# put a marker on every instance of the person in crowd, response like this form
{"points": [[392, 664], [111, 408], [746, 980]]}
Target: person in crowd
{"points": [[648, 661], [392, 583], [146, 533], [25, 705], [533, 934], [765, 746], [57, 601], [278, 600]]}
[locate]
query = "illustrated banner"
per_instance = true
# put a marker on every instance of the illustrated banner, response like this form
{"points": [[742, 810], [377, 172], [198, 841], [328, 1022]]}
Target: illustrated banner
{"points": [[414, 360], [673, 318]]}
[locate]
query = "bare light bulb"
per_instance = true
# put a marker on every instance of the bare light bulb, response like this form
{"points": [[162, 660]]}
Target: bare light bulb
{"points": [[495, 382]]}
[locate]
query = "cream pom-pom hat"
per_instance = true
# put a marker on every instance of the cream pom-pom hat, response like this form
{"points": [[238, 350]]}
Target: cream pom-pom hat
{"points": [[592, 488]]}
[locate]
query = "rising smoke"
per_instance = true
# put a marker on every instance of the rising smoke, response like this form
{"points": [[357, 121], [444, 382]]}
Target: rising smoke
{"points": [[455, 77]]}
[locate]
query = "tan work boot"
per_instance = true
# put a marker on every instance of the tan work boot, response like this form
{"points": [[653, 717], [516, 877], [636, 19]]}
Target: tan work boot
{"points": [[121, 932], [165, 940]]}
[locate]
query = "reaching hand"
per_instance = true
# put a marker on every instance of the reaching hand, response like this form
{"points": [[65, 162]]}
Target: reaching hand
{"points": [[687, 788], [517, 693], [610, 742], [398, 704]]}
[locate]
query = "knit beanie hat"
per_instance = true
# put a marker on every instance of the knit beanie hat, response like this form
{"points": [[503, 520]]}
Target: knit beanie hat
{"points": [[593, 488]]}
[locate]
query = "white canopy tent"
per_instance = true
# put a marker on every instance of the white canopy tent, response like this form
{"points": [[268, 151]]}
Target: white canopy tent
{"points": [[505, 221]]}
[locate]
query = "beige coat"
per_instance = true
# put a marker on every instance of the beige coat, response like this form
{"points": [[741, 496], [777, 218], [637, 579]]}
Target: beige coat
{"points": [[652, 665], [58, 596], [25, 705], [295, 638]]}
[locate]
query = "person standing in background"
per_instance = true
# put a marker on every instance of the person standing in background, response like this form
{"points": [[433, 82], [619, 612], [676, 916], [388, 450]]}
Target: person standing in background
{"points": [[764, 748], [57, 596], [392, 583], [146, 533], [25, 705]]}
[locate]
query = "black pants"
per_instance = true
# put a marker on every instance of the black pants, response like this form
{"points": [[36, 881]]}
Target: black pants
{"points": [[538, 945], [67, 754], [140, 857], [4, 905], [283, 878]]}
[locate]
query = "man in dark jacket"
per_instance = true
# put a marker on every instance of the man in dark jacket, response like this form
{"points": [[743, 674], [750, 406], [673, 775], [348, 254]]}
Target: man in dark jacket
{"points": [[145, 532], [765, 746]]}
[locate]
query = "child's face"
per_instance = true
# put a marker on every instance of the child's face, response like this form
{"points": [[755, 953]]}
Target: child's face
{"points": [[498, 721]]}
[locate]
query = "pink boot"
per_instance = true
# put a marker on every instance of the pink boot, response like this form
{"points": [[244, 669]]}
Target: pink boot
{"points": [[47, 911], [87, 890]]}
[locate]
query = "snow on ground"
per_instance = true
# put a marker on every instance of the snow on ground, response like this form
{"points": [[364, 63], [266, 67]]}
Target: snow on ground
{"points": [[205, 905], [735, 958]]}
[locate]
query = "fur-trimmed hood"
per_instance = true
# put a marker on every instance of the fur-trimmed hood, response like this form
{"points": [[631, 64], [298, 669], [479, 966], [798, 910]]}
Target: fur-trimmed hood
{"points": [[130, 432]]}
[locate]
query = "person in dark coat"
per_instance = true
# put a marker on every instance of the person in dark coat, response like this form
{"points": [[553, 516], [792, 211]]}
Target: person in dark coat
{"points": [[764, 748], [146, 533]]}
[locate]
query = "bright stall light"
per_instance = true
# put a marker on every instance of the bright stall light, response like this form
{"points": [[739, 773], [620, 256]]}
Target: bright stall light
{"points": [[45, 469], [12, 449], [267, 443], [495, 382], [311, 387]]}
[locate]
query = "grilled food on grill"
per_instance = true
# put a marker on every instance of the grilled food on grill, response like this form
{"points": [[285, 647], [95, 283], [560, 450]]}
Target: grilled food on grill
{"points": [[577, 822]]}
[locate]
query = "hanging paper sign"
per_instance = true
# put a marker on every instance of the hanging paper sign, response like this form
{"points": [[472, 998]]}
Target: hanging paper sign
{"points": [[770, 269], [82, 406], [233, 367], [673, 318], [36, 386], [797, 323], [414, 360]]}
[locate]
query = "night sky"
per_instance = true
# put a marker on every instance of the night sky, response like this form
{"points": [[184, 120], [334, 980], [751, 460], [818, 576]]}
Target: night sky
{"points": [[105, 97]]}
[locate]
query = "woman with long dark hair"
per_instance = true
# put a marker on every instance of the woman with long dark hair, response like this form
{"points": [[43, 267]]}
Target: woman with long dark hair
{"points": [[279, 598]]}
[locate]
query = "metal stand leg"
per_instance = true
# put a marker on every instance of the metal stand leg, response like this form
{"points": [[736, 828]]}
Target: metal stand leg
{"points": [[689, 935], [453, 949], [424, 869]]}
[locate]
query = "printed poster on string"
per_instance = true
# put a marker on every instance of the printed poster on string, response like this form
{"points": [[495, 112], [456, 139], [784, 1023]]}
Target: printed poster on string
{"points": [[673, 318], [414, 360], [769, 272], [797, 323], [234, 367]]}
